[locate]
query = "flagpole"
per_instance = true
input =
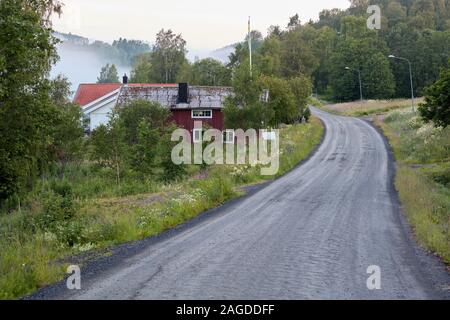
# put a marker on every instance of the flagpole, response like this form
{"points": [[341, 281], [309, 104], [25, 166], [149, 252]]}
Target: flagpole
{"points": [[250, 46]]}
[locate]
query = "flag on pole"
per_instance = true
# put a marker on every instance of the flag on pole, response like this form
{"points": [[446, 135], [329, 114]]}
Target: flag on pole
{"points": [[250, 45]]}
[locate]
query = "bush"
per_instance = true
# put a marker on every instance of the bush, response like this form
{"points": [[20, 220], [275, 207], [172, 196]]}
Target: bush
{"points": [[218, 188], [53, 212], [301, 87], [307, 114], [171, 170], [282, 101], [437, 101]]}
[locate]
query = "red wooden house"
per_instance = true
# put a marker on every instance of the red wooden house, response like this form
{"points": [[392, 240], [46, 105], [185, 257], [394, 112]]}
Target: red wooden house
{"points": [[187, 103]]}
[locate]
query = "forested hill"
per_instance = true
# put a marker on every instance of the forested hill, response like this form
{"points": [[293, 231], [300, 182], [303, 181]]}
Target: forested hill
{"points": [[418, 30], [123, 51]]}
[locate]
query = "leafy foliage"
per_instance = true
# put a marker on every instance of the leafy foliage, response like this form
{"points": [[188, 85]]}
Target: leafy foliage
{"points": [[209, 72], [437, 101], [108, 74], [129, 50], [137, 138], [30, 117]]}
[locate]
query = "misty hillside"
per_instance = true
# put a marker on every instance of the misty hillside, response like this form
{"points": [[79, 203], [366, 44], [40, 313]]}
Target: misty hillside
{"points": [[223, 54], [81, 58]]}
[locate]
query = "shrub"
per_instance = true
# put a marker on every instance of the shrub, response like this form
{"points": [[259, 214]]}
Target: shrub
{"points": [[306, 114], [437, 101], [301, 87], [171, 170], [217, 188]]}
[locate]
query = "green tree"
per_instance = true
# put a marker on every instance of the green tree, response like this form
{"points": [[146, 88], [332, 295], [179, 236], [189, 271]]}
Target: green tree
{"points": [[361, 49], [68, 131], [437, 101], [108, 74], [244, 110], [168, 55], [301, 88], [27, 113], [145, 150], [281, 100], [142, 69], [131, 116], [210, 72], [270, 60], [108, 147], [60, 90], [100, 151], [297, 56], [294, 22], [171, 170], [68, 134], [165, 63], [130, 49]]}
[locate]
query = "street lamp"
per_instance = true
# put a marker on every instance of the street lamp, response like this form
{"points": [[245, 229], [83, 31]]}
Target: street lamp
{"points": [[360, 83], [410, 77]]}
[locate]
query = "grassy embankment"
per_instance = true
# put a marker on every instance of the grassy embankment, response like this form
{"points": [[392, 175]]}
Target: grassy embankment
{"points": [[423, 176], [85, 212], [368, 107]]}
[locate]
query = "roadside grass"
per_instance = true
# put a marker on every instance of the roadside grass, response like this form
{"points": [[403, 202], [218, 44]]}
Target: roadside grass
{"points": [[423, 176], [368, 107], [80, 210]]}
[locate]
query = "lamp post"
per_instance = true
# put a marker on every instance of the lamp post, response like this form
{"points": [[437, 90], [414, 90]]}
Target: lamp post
{"points": [[360, 82], [410, 77]]}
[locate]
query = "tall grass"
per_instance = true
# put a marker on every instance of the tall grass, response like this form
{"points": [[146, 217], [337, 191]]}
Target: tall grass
{"points": [[369, 107], [423, 155]]}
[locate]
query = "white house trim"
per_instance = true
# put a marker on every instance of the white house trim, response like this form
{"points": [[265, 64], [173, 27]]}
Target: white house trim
{"points": [[202, 117], [100, 102]]}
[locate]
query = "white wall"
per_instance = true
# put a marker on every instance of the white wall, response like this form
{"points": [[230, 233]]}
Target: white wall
{"points": [[101, 116]]}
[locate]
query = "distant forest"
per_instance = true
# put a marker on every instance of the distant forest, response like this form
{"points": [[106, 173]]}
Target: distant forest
{"points": [[123, 50], [418, 30]]}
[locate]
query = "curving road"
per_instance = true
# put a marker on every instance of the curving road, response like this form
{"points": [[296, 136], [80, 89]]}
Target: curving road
{"points": [[312, 234]]}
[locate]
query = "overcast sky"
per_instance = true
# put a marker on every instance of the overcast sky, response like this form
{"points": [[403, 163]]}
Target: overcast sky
{"points": [[205, 24]]}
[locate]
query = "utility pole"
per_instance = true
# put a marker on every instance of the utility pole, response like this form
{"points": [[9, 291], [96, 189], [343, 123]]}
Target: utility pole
{"points": [[360, 82]]}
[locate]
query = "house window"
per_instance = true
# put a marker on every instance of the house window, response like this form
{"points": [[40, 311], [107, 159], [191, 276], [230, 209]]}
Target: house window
{"points": [[228, 136], [201, 114], [197, 135]]}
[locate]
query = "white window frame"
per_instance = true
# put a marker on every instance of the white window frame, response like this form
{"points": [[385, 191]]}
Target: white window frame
{"points": [[201, 117], [225, 136], [194, 140]]}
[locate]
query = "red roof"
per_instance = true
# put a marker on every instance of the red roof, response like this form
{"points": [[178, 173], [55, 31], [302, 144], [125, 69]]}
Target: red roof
{"points": [[89, 92]]}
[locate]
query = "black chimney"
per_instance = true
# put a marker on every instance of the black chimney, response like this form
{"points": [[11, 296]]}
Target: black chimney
{"points": [[183, 93], [125, 79]]}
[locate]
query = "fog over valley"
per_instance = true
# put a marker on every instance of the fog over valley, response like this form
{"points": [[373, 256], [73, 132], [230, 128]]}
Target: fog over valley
{"points": [[81, 59], [83, 65]]}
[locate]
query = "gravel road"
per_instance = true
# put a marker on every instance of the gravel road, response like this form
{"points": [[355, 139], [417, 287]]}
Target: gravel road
{"points": [[311, 234]]}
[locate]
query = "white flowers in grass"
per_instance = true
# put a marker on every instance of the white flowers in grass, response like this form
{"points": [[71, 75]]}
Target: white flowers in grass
{"points": [[183, 199], [84, 247], [190, 197], [415, 123], [144, 219], [240, 171]]}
